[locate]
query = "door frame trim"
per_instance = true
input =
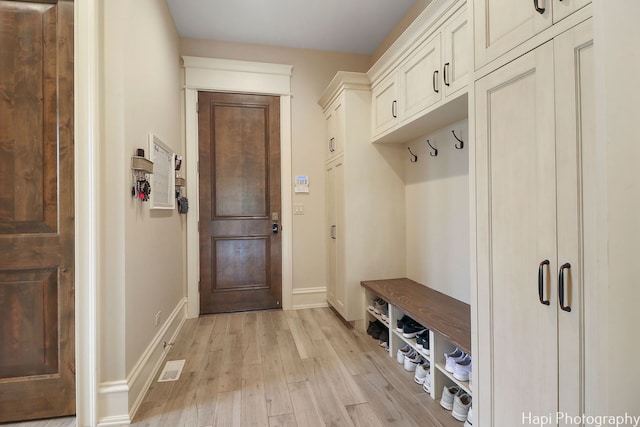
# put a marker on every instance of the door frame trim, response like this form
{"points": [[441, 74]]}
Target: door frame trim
{"points": [[225, 75], [87, 53]]}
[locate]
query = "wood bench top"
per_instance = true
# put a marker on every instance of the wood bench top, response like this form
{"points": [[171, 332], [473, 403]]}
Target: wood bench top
{"points": [[432, 309]]}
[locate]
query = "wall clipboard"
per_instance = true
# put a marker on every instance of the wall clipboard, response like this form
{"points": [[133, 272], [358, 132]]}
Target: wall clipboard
{"points": [[163, 179]]}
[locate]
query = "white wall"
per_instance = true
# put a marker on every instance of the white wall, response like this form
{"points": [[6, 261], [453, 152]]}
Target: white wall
{"points": [[141, 259], [617, 88], [437, 213]]}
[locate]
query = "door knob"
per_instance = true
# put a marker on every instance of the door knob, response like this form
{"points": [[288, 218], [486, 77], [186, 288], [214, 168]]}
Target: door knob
{"points": [[275, 228]]}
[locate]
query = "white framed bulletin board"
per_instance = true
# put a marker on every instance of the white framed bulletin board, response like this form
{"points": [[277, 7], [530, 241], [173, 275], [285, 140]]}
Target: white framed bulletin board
{"points": [[163, 184]]}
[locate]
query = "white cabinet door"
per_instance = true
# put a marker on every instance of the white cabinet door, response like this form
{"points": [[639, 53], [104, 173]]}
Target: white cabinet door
{"points": [[536, 216], [576, 172], [516, 232], [332, 225], [330, 126], [456, 55], [501, 25], [420, 79], [385, 104], [334, 120], [564, 8]]}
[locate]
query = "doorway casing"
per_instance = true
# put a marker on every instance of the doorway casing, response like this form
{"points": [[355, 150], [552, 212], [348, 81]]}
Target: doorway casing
{"points": [[224, 75]]}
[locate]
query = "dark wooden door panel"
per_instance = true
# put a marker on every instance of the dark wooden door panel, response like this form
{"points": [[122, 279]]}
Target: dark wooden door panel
{"points": [[28, 98], [239, 155], [28, 323], [37, 367]]}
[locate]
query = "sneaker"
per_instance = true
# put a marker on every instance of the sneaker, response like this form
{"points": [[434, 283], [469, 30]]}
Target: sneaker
{"points": [[422, 342], [378, 305], [469, 421], [420, 339], [462, 369], [410, 330], [422, 370], [455, 353], [402, 352], [411, 361], [427, 384], [400, 323], [450, 361], [425, 348], [372, 303], [385, 314], [448, 394], [461, 405], [375, 329], [384, 336]]}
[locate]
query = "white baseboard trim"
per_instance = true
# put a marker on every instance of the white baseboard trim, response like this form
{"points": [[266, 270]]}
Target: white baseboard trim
{"points": [[120, 400], [113, 403], [309, 298]]}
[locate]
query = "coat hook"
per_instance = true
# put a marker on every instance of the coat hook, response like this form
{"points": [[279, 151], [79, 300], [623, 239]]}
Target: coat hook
{"points": [[414, 157], [459, 140], [435, 150]]}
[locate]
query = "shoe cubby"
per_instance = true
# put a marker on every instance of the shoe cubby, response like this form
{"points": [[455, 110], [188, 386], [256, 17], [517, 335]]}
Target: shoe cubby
{"points": [[418, 309], [445, 346]]}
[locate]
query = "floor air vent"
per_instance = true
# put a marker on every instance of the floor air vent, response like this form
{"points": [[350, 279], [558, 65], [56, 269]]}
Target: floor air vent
{"points": [[172, 370]]}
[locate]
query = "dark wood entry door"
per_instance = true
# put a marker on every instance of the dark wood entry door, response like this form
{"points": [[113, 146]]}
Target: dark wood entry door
{"points": [[37, 367], [240, 244]]}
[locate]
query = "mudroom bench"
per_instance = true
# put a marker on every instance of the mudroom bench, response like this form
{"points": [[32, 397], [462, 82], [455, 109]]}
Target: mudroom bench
{"points": [[448, 320]]}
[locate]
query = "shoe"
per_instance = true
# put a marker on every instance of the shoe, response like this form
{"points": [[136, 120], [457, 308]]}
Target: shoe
{"points": [[427, 384], [452, 359], [375, 329], [422, 342], [448, 394], [402, 352], [384, 336], [462, 369], [400, 322], [469, 421], [379, 305], [411, 361], [385, 314], [461, 405], [455, 353], [410, 330], [372, 303], [422, 371], [420, 339]]}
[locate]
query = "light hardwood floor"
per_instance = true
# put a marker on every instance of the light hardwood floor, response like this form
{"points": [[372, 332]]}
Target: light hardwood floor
{"points": [[300, 368]]}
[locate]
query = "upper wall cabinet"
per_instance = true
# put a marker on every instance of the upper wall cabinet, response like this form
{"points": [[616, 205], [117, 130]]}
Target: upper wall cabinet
{"points": [[424, 86], [500, 28]]}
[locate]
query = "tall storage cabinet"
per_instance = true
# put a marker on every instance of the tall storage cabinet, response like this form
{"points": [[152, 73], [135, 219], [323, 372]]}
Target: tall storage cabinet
{"points": [[534, 156], [365, 229]]}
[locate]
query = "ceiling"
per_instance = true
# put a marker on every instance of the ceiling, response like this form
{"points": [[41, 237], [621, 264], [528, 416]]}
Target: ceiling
{"points": [[355, 26]]}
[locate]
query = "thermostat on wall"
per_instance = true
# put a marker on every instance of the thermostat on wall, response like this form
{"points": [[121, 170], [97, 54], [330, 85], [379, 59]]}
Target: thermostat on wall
{"points": [[302, 184]]}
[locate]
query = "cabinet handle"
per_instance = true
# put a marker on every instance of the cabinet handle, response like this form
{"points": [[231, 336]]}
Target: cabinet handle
{"points": [[565, 266], [539, 9], [332, 146], [541, 282], [435, 76], [445, 73], [394, 107], [332, 232]]}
